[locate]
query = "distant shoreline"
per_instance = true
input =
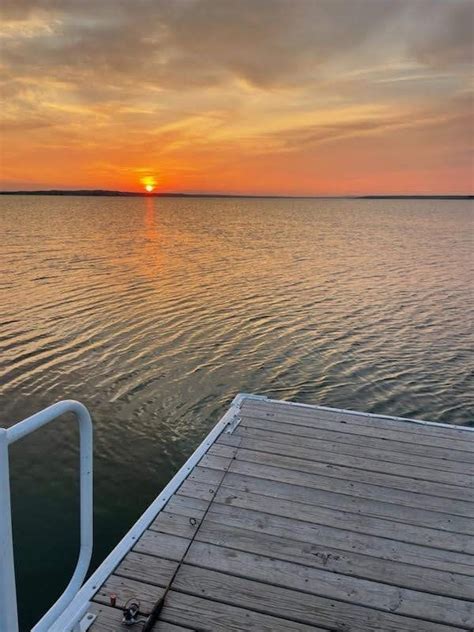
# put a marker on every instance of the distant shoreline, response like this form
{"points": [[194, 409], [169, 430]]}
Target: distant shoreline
{"points": [[106, 193]]}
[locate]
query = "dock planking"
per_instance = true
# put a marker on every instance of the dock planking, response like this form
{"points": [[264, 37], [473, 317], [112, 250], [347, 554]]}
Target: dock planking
{"points": [[307, 518]]}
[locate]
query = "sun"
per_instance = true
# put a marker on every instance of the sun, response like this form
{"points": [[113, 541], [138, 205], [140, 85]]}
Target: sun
{"points": [[149, 183]]}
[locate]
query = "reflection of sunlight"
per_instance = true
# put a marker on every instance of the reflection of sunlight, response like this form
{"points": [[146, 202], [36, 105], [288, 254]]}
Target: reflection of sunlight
{"points": [[151, 231], [151, 255]]}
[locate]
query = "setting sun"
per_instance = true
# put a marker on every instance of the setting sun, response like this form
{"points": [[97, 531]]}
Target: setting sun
{"points": [[149, 183]]}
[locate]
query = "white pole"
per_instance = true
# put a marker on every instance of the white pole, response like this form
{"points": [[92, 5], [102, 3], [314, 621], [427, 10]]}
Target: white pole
{"points": [[8, 604], [86, 509]]}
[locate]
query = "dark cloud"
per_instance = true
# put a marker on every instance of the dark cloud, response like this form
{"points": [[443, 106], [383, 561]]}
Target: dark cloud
{"points": [[184, 44], [448, 38], [271, 43]]}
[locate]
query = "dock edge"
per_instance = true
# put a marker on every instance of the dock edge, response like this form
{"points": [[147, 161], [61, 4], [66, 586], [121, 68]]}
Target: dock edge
{"points": [[78, 607]]}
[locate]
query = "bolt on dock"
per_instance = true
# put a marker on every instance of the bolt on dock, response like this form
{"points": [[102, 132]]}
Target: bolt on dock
{"points": [[292, 517]]}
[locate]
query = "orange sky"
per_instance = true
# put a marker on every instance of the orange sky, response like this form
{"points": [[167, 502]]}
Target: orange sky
{"points": [[274, 96]]}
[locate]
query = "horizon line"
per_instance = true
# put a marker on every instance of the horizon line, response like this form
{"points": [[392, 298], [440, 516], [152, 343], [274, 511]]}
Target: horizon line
{"points": [[118, 193]]}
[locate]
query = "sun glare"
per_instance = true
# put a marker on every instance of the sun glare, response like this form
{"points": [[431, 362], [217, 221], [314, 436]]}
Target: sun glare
{"points": [[149, 183]]}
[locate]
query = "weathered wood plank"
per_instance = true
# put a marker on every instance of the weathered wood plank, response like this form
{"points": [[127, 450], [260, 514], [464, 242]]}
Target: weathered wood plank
{"points": [[377, 454], [250, 594], [380, 559], [219, 462], [313, 415], [339, 588], [205, 475], [345, 502], [162, 545], [187, 506], [423, 437], [359, 462], [110, 620], [175, 524], [125, 588], [219, 449], [358, 523], [347, 473], [163, 626], [147, 568], [380, 442], [227, 438], [356, 490], [211, 616], [456, 438], [195, 489], [202, 483]]}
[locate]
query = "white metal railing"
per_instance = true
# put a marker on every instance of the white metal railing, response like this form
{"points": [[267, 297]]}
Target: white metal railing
{"points": [[8, 602], [78, 607]]}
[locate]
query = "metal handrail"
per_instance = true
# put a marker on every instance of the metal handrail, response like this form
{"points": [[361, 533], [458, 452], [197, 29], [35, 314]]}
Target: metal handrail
{"points": [[8, 601]]}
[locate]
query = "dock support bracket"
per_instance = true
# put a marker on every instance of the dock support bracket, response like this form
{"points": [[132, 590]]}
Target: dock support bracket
{"points": [[86, 622], [233, 423], [236, 407]]}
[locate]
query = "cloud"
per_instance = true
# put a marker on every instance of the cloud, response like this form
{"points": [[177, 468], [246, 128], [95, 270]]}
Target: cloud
{"points": [[451, 121], [449, 38], [221, 77], [189, 44]]}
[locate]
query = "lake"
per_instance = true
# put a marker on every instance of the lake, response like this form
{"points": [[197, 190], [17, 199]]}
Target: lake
{"points": [[155, 312]]}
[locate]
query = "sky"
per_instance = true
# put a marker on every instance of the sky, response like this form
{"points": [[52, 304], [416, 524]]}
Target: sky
{"points": [[291, 97]]}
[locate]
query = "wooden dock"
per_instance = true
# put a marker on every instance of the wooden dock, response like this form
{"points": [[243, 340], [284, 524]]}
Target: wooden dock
{"points": [[305, 518]]}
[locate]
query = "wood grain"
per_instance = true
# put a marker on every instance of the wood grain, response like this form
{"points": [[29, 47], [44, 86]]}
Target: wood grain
{"points": [[304, 519]]}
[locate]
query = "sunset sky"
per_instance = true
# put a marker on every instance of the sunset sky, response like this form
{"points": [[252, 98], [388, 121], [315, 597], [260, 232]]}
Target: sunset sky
{"points": [[238, 96]]}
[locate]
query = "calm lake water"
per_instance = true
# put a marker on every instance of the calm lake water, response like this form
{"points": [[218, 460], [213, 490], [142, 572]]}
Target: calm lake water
{"points": [[156, 312]]}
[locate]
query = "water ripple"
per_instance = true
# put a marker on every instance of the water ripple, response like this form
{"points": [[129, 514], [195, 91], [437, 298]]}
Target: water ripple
{"points": [[156, 312]]}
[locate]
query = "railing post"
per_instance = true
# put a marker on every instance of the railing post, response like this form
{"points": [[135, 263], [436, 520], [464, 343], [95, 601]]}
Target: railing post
{"points": [[8, 603]]}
